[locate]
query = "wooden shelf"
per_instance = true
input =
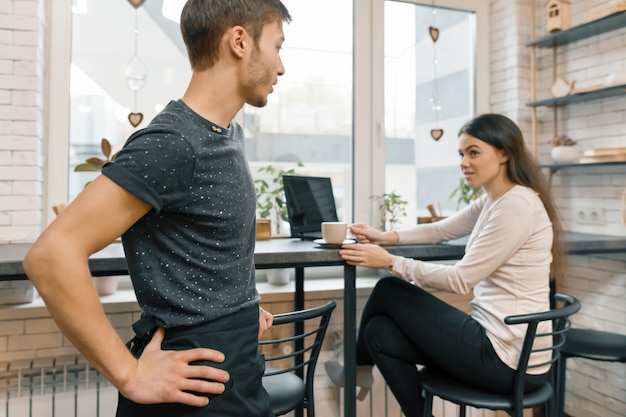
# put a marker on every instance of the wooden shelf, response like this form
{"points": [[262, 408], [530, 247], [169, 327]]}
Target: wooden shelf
{"points": [[586, 30], [556, 167], [617, 90]]}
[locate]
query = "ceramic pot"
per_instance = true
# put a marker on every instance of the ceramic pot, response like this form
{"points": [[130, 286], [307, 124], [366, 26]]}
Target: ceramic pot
{"points": [[565, 154], [106, 285], [279, 276]]}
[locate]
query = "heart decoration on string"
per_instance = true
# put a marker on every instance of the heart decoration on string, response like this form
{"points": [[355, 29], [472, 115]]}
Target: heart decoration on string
{"points": [[434, 100], [436, 133], [136, 3], [136, 73], [434, 33], [135, 118]]}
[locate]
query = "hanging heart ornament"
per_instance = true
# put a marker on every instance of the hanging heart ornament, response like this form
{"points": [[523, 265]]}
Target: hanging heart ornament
{"points": [[135, 118], [136, 3], [434, 33], [436, 133]]}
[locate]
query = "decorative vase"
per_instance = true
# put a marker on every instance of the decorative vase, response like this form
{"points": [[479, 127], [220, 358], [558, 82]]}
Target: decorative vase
{"points": [[280, 276], [565, 154], [106, 285]]}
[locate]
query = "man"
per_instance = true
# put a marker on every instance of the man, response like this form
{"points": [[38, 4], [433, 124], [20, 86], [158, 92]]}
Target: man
{"points": [[181, 195]]}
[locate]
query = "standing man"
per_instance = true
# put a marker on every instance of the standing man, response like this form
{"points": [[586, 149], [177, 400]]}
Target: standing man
{"points": [[181, 194]]}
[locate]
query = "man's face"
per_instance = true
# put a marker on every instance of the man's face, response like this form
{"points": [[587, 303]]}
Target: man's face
{"points": [[265, 65]]}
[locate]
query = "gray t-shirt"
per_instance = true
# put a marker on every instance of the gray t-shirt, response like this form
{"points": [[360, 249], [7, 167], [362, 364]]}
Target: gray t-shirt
{"points": [[190, 258]]}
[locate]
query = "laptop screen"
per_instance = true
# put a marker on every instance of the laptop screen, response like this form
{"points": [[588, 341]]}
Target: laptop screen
{"points": [[310, 201]]}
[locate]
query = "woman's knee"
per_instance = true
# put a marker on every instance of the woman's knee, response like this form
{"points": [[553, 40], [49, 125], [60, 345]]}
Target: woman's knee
{"points": [[384, 339], [388, 285], [375, 329]]}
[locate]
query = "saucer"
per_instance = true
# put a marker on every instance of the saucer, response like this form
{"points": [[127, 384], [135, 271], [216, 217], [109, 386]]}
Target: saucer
{"points": [[323, 244]]}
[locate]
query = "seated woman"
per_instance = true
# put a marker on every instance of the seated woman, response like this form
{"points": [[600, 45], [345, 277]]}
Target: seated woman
{"points": [[512, 252]]}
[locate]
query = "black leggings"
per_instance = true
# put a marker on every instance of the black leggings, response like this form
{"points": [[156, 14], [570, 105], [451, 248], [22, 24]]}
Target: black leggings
{"points": [[403, 325]]}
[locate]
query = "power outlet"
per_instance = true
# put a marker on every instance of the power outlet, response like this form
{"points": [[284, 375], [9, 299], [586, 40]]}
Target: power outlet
{"points": [[589, 215]]}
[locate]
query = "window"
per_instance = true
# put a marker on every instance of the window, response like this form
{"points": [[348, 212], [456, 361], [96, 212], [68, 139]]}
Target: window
{"points": [[430, 89], [103, 88], [328, 111], [308, 118]]}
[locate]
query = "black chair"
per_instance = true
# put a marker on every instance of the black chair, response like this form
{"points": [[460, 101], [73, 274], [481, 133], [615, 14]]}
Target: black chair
{"points": [[589, 344], [289, 381], [435, 383]]}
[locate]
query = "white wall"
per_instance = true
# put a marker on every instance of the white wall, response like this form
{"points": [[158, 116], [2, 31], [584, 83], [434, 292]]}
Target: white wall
{"points": [[594, 388], [22, 66]]}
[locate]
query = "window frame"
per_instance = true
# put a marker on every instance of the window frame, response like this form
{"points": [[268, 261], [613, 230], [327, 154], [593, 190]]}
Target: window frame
{"points": [[368, 132], [369, 114]]}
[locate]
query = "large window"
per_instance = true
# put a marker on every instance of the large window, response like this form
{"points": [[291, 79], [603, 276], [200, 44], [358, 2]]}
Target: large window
{"points": [[113, 46], [308, 118], [139, 64], [339, 108], [430, 90]]}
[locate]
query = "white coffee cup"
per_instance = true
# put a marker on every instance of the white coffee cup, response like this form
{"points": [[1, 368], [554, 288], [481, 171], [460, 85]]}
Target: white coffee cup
{"points": [[334, 232]]}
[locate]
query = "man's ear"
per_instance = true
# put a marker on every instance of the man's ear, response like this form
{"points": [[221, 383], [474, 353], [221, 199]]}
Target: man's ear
{"points": [[238, 40]]}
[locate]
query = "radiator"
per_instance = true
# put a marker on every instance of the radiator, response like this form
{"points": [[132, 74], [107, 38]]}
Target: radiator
{"points": [[66, 387], [70, 387]]}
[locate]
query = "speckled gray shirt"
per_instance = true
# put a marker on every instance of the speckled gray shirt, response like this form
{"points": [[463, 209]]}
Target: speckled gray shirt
{"points": [[190, 258]]}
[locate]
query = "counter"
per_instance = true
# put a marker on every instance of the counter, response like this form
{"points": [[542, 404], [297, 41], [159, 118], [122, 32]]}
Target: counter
{"points": [[279, 252]]}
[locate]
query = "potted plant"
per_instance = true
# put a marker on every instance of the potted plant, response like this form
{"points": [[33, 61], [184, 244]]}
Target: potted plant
{"points": [[466, 194], [270, 195], [564, 149], [392, 209], [105, 285], [95, 164]]}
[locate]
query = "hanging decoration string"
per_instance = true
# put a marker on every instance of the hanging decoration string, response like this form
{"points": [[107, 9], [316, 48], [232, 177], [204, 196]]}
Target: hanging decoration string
{"points": [[437, 132], [136, 72]]}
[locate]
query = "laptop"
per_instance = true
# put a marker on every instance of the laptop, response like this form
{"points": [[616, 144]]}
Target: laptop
{"points": [[310, 201]]}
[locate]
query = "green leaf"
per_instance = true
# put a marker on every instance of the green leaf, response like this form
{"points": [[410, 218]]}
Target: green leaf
{"points": [[87, 167], [105, 145]]}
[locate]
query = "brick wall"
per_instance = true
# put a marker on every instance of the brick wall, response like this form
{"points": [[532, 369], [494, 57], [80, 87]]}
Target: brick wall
{"points": [[22, 50], [30, 338], [594, 388]]}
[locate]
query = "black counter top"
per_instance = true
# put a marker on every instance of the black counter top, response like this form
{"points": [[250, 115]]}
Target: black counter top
{"points": [[276, 253]]}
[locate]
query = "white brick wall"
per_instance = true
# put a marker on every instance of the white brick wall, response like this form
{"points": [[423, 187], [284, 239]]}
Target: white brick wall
{"points": [[594, 389], [22, 40], [30, 338]]}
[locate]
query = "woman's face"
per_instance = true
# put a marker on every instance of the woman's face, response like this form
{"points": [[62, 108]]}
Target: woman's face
{"points": [[481, 163]]}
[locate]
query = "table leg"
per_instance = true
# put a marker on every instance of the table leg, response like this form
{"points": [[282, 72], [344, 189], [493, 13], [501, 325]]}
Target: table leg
{"points": [[299, 326], [299, 305], [349, 345]]}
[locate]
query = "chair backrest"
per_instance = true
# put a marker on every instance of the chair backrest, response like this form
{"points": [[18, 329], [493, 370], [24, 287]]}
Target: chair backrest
{"points": [[560, 318], [290, 349]]}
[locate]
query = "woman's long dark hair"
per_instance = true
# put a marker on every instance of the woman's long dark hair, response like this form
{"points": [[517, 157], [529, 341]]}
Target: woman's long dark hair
{"points": [[502, 133]]}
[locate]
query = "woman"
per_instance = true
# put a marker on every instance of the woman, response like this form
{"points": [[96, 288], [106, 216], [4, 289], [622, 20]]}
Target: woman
{"points": [[511, 253]]}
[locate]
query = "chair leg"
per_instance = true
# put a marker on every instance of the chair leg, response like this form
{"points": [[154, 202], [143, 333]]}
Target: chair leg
{"points": [[310, 410], [559, 388], [428, 404], [549, 407], [462, 410]]}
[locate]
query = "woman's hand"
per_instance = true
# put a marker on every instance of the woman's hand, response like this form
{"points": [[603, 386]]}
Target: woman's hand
{"points": [[368, 255], [367, 234], [265, 321]]}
